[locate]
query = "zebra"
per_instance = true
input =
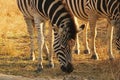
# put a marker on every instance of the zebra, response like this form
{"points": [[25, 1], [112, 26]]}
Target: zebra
{"points": [[92, 10], [31, 28], [63, 25]]}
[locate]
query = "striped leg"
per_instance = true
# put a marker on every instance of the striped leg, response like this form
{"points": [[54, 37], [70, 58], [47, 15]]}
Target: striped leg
{"points": [[77, 46], [46, 51], [92, 23], [46, 47], [29, 23], [110, 38], [85, 42], [50, 55], [51, 64], [40, 42]]}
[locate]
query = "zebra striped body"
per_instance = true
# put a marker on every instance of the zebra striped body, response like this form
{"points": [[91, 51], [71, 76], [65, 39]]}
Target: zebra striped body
{"points": [[91, 11], [53, 10]]}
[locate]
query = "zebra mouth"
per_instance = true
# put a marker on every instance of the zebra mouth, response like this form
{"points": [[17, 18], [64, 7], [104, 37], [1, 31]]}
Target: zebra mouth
{"points": [[67, 69]]}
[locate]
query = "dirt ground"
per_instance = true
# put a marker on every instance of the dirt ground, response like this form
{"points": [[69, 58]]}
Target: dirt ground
{"points": [[12, 77]]}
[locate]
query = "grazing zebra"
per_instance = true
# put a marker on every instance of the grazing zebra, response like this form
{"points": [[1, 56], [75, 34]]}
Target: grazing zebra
{"points": [[93, 10], [63, 24]]}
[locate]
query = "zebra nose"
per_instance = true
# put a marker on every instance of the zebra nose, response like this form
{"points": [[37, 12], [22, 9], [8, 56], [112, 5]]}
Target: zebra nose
{"points": [[67, 69]]}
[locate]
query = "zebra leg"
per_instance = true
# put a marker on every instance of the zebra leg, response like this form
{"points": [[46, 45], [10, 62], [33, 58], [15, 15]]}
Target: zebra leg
{"points": [[46, 50], [77, 45], [92, 23], [109, 42], [45, 47], [40, 43], [49, 52], [85, 42], [30, 31], [51, 64]]}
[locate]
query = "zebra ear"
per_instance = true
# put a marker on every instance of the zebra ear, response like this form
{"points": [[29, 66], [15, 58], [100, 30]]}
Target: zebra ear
{"points": [[81, 28], [71, 43]]}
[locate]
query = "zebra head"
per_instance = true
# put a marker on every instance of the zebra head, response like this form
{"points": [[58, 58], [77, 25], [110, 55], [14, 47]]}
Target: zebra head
{"points": [[63, 44]]}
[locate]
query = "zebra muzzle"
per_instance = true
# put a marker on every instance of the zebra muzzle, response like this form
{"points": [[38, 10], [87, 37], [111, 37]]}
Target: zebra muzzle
{"points": [[67, 69]]}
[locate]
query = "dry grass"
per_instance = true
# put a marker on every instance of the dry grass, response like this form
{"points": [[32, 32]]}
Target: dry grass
{"points": [[14, 51]]}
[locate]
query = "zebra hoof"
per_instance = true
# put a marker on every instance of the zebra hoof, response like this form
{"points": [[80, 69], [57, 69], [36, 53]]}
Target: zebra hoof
{"points": [[46, 58], [111, 59], [50, 65], [95, 57], [76, 52], [86, 52], [32, 58], [67, 69], [39, 70]]}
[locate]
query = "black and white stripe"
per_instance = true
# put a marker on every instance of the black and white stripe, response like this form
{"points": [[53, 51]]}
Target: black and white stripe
{"points": [[117, 37], [28, 10], [92, 10], [117, 41], [41, 10]]}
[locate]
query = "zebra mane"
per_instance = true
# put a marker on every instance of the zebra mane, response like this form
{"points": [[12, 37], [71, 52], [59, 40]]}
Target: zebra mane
{"points": [[67, 8], [73, 29]]}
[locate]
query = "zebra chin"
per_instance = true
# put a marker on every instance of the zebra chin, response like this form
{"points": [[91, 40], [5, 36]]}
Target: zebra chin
{"points": [[67, 69]]}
